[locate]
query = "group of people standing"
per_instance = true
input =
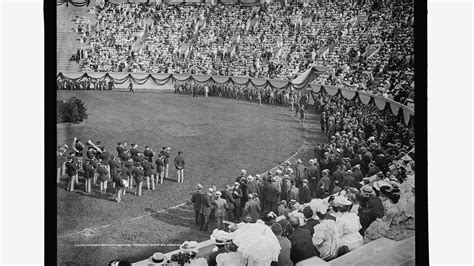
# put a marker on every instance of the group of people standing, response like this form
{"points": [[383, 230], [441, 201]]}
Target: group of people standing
{"points": [[129, 166]]}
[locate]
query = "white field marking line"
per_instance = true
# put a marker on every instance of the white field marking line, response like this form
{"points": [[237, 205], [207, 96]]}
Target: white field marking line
{"points": [[182, 204]]}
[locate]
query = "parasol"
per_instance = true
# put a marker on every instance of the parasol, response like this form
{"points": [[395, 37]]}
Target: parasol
{"points": [[257, 243]]}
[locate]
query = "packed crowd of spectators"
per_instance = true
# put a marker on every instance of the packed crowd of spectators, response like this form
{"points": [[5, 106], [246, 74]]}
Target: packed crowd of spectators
{"points": [[359, 187], [368, 47]]}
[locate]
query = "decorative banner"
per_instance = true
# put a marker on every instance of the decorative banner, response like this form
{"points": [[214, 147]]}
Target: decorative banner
{"points": [[380, 103], [302, 82], [331, 90], [395, 108], [406, 116], [348, 94], [365, 99]]}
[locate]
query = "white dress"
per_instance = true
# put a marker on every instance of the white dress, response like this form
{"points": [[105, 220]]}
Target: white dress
{"points": [[349, 226], [231, 259]]}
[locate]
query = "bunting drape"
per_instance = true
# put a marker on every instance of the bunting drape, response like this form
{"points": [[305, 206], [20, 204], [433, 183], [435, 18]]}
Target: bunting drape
{"points": [[300, 84], [365, 98]]}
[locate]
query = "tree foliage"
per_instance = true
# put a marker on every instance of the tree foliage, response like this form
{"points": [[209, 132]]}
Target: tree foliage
{"points": [[71, 110]]}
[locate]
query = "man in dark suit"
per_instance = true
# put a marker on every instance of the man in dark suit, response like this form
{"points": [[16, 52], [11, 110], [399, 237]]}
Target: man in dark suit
{"points": [[300, 173], [324, 185], [310, 221], [121, 151], [148, 172], [160, 165], [227, 195], [166, 157], [196, 200], [272, 195], [301, 242], [237, 195], [305, 194], [349, 181], [114, 166], [130, 87], [179, 164], [88, 175], [105, 156], [206, 208], [71, 171], [338, 176], [138, 173], [148, 153], [134, 150]]}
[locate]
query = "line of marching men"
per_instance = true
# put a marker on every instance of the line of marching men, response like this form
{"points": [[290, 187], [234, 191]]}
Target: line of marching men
{"points": [[129, 166]]}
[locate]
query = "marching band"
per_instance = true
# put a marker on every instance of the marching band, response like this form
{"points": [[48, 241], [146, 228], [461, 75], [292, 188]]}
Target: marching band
{"points": [[129, 166]]}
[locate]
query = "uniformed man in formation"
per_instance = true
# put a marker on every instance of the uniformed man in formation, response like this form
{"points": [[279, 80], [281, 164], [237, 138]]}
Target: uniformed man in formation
{"points": [[130, 167]]}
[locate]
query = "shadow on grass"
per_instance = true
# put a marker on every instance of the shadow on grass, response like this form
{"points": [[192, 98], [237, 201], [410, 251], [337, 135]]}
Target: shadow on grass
{"points": [[79, 189]]}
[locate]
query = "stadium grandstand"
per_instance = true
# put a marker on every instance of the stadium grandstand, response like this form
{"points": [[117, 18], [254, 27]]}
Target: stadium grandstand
{"points": [[348, 63]]}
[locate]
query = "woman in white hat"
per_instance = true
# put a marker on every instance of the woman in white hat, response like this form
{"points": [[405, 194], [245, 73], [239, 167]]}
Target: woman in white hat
{"points": [[348, 223]]}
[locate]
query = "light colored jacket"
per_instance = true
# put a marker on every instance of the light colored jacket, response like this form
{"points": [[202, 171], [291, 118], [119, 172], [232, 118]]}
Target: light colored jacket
{"points": [[220, 207]]}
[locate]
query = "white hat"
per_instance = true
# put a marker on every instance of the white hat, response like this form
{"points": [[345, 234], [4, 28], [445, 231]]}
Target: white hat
{"points": [[299, 161], [189, 246], [243, 171], [311, 161], [199, 186], [218, 193], [341, 201], [289, 170], [211, 190], [249, 178], [278, 172]]}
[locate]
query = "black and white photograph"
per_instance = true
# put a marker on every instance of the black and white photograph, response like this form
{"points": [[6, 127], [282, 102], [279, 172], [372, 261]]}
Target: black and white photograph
{"points": [[237, 132]]}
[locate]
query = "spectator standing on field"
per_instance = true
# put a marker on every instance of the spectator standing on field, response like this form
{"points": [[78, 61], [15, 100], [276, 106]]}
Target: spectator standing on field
{"points": [[179, 164]]}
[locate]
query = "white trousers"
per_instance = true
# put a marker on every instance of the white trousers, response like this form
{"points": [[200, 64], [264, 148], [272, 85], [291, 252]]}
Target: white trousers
{"points": [[180, 176]]}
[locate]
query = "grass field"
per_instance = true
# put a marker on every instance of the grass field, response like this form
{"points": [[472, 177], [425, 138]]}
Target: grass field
{"points": [[218, 138]]}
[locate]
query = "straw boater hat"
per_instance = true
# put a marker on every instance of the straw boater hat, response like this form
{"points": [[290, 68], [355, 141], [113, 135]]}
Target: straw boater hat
{"points": [[311, 161], [158, 258], [218, 193], [278, 172], [289, 170], [249, 178]]}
